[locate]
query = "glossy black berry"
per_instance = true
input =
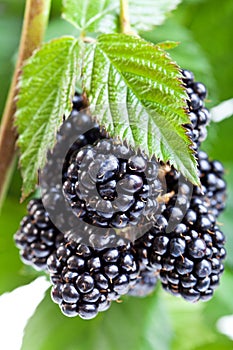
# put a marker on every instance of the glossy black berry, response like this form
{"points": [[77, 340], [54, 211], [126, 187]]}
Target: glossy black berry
{"points": [[190, 263], [188, 77], [107, 185], [185, 245], [199, 89], [37, 236], [86, 280]]}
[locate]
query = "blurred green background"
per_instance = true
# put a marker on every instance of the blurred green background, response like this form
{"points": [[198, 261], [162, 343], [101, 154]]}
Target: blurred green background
{"points": [[204, 29]]}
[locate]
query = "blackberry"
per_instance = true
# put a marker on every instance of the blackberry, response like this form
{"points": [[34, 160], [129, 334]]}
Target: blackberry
{"points": [[76, 137], [108, 185], [198, 263], [146, 283], [37, 237], [86, 280], [105, 182], [189, 257], [198, 114], [185, 244]]}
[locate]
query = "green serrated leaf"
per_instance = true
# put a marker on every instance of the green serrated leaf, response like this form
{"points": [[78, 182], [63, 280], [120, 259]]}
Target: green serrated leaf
{"points": [[144, 15], [46, 87], [91, 16], [135, 91]]}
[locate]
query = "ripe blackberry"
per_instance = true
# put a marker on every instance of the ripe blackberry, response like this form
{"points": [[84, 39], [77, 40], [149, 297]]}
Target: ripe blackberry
{"points": [[197, 269], [86, 280], [124, 190], [108, 185], [190, 256], [62, 214], [185, 244], [37, 237], [198, 114], [146, 283]]}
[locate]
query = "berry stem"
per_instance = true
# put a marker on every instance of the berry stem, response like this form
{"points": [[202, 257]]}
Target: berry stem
{"points": [[34, 25], [124, 17]]}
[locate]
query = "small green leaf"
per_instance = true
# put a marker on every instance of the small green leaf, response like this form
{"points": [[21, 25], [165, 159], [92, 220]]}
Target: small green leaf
{"points": [[91, 16], [144, 15], [46, 87], [134, 324], [135, 91]]}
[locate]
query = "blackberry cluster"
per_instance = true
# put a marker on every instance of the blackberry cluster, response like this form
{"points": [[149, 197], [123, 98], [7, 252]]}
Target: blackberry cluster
{"points": [[37, 237], [185, 246], [198, 114], [86, 280], [108, 185], [105, 185]]}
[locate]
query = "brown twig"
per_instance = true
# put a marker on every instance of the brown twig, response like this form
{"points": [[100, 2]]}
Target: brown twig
{"points": [[34, 26]]}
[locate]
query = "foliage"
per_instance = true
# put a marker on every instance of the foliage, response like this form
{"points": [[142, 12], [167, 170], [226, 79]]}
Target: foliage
{"points": [[124, 80], [115, 68]]}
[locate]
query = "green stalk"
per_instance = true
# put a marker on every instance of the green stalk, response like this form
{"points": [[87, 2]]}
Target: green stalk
{"points": [[34, 25], [124, 18]]}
